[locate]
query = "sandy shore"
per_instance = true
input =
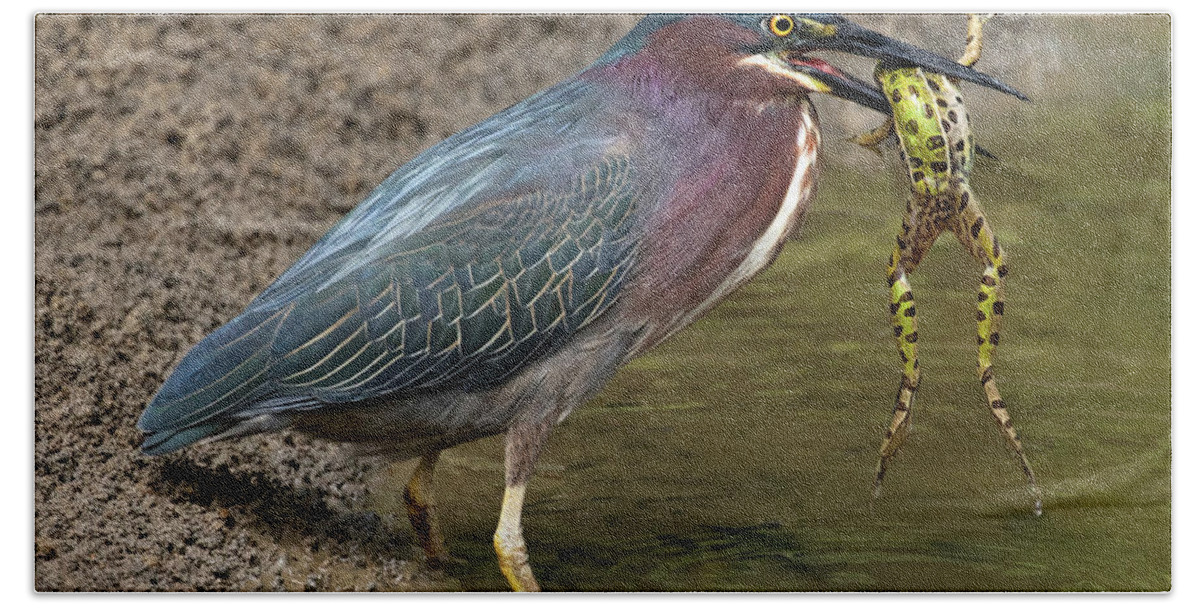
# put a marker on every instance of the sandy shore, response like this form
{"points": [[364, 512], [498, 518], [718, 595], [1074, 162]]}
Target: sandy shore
{"points": [[181, 164]]}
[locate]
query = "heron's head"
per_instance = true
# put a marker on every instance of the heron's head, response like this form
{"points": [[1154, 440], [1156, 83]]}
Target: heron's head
{"points": [[779, 48]]}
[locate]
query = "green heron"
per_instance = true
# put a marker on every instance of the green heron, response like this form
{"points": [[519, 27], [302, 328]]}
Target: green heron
{"points": [[501, 277]]}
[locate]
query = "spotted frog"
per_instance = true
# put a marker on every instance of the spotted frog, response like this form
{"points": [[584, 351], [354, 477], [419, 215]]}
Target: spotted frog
{"points": [[932, 126]]}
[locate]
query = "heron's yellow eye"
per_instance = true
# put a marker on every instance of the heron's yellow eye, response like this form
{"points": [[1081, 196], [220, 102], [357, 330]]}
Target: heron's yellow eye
{"points": [[782, 25]]}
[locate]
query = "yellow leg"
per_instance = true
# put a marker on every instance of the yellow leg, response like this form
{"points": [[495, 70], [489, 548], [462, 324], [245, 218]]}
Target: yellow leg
{"points": [[988, 314], [510, 542], [904, 325], [422, 512]]}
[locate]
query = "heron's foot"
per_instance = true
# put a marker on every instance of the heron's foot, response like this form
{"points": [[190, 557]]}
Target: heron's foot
{"points": [[422, 513], [510, 542], [424, 523], [437, 556], [514, 562]]}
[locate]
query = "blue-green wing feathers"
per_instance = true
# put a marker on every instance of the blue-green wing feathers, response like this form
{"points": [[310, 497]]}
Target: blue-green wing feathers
{"points": [[461, 296]]}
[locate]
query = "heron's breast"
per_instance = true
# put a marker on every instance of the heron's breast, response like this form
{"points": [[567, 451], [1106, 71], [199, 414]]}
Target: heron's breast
{"points": [[733, 223], [790, 211]]}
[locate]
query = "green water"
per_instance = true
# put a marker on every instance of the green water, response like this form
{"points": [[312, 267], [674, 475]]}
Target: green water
{"points": [[740, 454]]}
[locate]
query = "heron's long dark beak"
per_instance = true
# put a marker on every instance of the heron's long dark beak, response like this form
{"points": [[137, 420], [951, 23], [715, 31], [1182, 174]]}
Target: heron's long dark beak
{"points": [[841, 84], [836, 33]]}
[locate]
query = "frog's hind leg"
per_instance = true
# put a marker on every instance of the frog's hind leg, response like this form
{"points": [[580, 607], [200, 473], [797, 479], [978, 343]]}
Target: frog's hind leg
{"points": [[904, 325], [974, 47], [977, 236]]}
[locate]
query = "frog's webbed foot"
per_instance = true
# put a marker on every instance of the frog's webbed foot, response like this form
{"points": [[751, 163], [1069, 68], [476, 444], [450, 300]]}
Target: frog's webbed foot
{"points": [[904, 325], [974, 232], [872, 139]]}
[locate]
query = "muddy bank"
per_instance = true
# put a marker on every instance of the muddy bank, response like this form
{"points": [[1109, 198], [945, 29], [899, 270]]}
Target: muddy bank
{"points": [[182, 162]]}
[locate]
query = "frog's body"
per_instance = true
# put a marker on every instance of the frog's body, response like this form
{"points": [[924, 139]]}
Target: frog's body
{"points": [[938, 149], [932, 126]]}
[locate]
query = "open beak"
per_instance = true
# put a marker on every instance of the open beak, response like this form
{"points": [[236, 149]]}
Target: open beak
{"points": [[836, 33], [836, 82]]}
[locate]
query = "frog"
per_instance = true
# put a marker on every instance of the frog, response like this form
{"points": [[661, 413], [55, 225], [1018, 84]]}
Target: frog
{"points": [[938, 149]]}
